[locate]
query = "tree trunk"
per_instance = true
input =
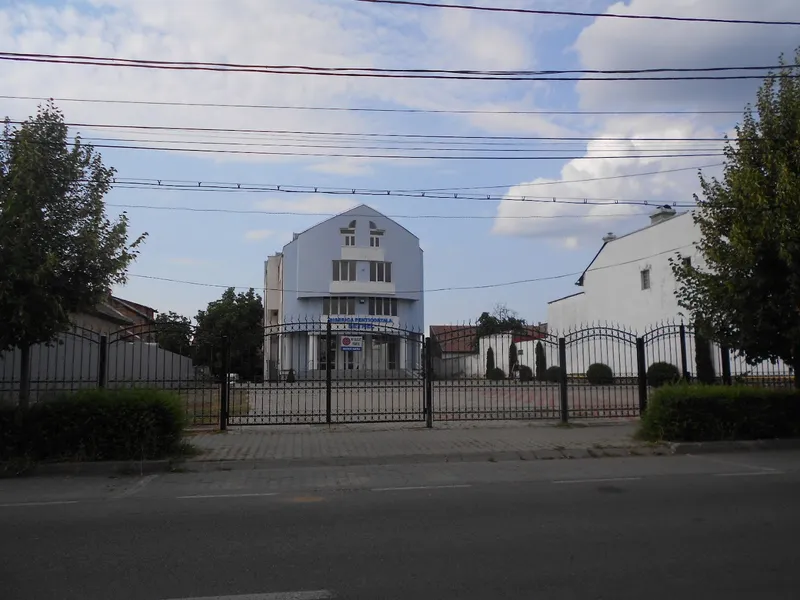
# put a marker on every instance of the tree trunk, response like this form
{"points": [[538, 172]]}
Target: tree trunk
{"points": [[24, 376]]}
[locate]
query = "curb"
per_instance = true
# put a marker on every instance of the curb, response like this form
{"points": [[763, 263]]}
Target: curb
{"points": [[684, 448], [96, 469]]}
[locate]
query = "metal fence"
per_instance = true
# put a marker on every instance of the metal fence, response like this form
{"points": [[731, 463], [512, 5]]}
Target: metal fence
{"points": [[313, 372]]}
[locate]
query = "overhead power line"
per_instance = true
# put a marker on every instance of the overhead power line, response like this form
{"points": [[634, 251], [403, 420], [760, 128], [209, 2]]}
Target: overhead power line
{"points": [[375, 109], [448, 74], [218, 187], [428, 291], [565, 13]]}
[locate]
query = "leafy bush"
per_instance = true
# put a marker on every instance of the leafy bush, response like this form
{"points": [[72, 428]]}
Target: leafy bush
{"points": [[525, 373], [662, 373], [290, 376], [697, 413], [553, 374], [496, 374], [489, 362], [600, 374], [541, 362], [94, 425]]}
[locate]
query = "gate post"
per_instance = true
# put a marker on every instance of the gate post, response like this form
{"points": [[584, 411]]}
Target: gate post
{"points": [[428, 374], [726, 365], [328, 339], [102, 363], [641, 366], [684, 361], [562, 359], [224, 391]]}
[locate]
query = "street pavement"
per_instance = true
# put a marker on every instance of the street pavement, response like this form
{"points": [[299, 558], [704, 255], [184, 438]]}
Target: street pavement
{"points": [[721, 526], [392, 443]]}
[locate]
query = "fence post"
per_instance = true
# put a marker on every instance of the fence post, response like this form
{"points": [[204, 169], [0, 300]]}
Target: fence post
{"points": [[562, 359], [102, 363], [641, 366], [726, 365], [330, 357], [684, 359], [224, 391], [426, 349]]}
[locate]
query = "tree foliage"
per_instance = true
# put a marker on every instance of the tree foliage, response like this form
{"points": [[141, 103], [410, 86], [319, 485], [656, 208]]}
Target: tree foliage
{"points": [[233, 321], [500, 320], [59, 252], [541, 362], [747, 294], [703, 357], [489, 362], [173, 333]]}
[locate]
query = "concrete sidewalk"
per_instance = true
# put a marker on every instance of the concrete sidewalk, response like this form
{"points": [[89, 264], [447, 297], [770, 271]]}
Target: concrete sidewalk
{"points": [[386, 444]]}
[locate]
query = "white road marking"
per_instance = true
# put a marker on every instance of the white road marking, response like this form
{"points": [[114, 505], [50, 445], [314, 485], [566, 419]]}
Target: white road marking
{"points": [[207, 496], [749, 474], [607, 480], [421, 487], [732, 463], [136, 488], [318, 595], [54, 503]]}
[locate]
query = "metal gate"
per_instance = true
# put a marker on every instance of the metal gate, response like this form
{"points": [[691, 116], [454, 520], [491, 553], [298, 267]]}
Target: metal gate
{"points": [[345, 371]]}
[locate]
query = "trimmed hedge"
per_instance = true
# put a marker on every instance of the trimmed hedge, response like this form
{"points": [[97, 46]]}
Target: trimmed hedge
{"points": [[600, 374], [553, 375], [496, 374], [662, 373], [525, 373], [700, 413], [94, 425]]}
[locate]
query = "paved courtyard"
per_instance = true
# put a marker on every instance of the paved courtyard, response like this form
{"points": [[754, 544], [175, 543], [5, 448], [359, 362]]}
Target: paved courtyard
{"points": [[360, 401]]}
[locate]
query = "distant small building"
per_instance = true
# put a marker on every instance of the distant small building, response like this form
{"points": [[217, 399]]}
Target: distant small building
{"points": [[115, 314]]}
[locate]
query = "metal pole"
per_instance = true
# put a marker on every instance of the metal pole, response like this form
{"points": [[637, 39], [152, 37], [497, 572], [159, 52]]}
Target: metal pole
{"points": [[684, 360], [562, 359], [330, 355], [224, 385], [426, 349], [641, 366], [102, 363]]}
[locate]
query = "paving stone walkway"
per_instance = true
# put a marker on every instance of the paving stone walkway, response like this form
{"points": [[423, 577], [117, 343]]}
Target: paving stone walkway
{"points": [[376, 444]]}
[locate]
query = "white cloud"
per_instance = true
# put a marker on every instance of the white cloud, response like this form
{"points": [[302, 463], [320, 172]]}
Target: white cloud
{"points": [[257, 235], [311, 204]]}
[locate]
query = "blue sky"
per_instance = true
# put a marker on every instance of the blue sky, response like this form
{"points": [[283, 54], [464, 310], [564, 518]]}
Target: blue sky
{"points": [[479, 243]]}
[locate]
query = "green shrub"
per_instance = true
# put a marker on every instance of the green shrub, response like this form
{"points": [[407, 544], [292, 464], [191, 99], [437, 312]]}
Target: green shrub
{"points": [[662, 373], [600, 374], [489, 362], [553, 374], [290, 376], [525, 373], [496, 374], [697, 413], [94, 425], [703, 358], [541, 362]]}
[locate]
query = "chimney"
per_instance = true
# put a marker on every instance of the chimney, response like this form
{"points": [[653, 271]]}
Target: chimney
{"points": [[663, 213], [609, 237]]}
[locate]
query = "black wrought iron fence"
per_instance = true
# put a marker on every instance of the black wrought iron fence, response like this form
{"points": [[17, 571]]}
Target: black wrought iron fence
{"points": [[346, 371]]}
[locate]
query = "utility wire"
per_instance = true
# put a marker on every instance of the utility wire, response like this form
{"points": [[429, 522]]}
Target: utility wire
{"points": [[200, 186], [582, 14], [374, 109], [446, 74], [425, 291]]}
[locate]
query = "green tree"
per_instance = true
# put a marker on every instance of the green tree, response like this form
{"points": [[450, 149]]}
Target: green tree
{"points": [[541, 362], [489, 362], [235, 320], [501, 320], [173, 333], [513, 359], [59, 252], [748, 292]]}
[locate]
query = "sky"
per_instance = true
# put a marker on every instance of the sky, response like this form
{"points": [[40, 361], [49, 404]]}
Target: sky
{"points": [[485, 243]]}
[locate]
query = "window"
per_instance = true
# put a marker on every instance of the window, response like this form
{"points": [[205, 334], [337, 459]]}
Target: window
{"points": [[344, 270], [375, 236], [383, 307], [645, 279], [380, 272], [348, 237], [338, 306]]}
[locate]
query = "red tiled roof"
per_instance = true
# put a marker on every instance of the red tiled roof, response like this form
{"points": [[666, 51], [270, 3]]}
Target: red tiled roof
{"points": [[460, 339]]}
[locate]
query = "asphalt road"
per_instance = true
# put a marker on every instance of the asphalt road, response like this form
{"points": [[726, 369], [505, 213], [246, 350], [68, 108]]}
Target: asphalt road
{"points": [[616, 529]]}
